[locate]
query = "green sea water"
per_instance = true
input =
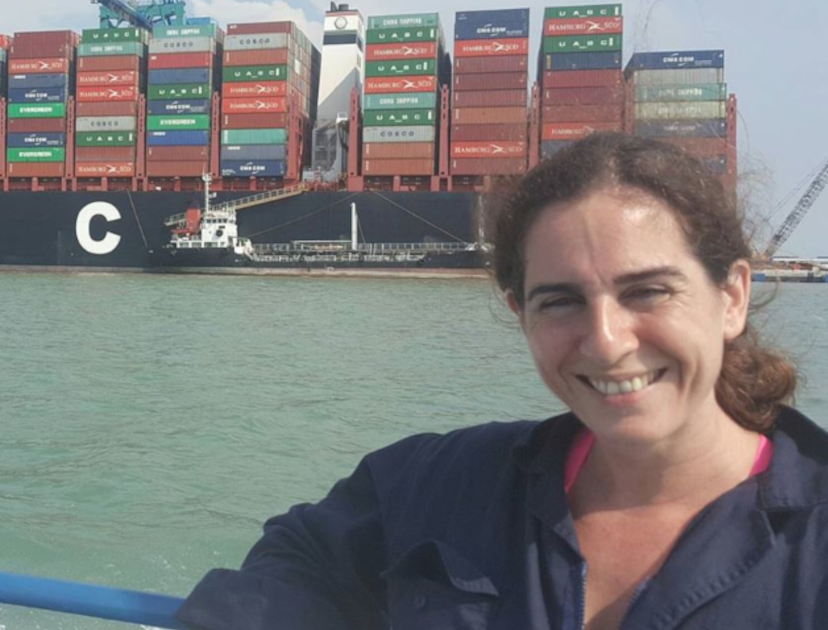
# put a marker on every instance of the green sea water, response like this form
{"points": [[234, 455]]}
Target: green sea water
{"points": [[150, 424]]}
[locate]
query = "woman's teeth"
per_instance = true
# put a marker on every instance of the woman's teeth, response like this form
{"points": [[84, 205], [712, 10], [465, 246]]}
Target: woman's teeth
{"points": [[611, 388]]}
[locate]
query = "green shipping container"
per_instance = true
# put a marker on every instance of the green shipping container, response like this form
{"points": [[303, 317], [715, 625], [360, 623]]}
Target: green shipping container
{"points": [[400, 68], [42, 110], [399, 117], [191, 30], [254, 136], [112, 49], [678, 93], [196, 122], [103, 139], [195, 91], [255, 73], [595, 43], [404, 21], [419, 100], [402, 35], [57, 154], [587, 11], [100, 35]]}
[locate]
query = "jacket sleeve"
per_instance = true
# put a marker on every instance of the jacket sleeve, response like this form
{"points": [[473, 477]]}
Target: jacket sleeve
{"points": [[315, 568]]}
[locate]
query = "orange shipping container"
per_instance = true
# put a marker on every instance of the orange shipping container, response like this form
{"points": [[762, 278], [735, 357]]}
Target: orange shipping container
{"points": [[507, 149], [248, 90], [114, 77], [177, 169], [105, 154], [178, 153], [254, 121], [403, 150], [582, 113], [488, 115], [493, 81], [491, 47], [35, 169], [391, 85], [254, 105], [582, 78], [103, 94], [411, 50], [398, 167], [105, 64], [490, 166], [177, 61], [483, 133], [38, 66], [265, 57], [473, 65], [122, 108], [491, 98], [702, 147], [576, 131], [105, 169], [603, 95]]}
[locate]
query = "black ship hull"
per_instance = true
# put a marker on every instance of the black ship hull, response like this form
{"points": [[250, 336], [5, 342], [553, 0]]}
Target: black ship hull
{"points": [[88, 230]]}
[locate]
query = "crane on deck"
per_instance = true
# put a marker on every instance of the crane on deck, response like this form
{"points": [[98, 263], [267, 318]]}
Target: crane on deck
{"points": [[801, 208], [142, 13]]}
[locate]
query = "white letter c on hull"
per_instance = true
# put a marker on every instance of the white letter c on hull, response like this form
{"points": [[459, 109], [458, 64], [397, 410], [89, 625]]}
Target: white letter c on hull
{"points": [[110, 241]]}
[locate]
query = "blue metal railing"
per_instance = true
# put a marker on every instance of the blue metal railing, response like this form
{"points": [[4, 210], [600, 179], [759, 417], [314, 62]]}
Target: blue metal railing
{"points": [[104, 602]]}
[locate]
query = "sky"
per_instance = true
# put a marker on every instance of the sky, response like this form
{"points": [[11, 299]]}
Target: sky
{"points": [[776, 63]]}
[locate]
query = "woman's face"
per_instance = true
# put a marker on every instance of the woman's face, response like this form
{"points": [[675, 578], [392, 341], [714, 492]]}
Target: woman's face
{"points": [[623, 322]]}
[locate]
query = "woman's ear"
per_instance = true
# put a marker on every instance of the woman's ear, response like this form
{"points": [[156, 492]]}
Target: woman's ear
{"points": [[737, 293], [513, 302]]}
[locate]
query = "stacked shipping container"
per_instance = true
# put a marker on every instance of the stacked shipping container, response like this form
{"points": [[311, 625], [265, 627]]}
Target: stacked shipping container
{"points": [[5, 43], [182, 64], [267, 90], [489, 114], [110, 79], [580, 74], [401, 107], [41, 79], [681, 97]]}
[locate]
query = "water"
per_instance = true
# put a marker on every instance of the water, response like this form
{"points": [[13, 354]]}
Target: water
{"points": [[151, 424]]}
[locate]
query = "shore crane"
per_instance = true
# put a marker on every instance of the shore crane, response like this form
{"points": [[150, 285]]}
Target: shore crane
{"points": [[142, 13], [796, 215]]}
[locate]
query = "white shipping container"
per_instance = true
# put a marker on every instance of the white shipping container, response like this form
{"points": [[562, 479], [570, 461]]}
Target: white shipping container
{"points": [[182, 45], [106, 123], [689, 76], [414, 133], [671, 111], [263, 41]]}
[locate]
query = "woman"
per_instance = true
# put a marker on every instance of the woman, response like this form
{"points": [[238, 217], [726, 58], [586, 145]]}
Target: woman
{"points": [[678, 493]]}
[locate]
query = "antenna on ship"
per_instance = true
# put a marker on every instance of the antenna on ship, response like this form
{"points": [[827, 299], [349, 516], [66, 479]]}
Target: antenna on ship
{"points": [[354, 228], [207, 179]]}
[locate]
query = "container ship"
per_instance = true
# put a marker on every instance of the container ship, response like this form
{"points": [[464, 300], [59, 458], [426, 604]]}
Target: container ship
{"points": [[162, 142]]}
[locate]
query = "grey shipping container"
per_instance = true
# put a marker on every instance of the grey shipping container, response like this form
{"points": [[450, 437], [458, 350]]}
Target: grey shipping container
{"points": [[398, 134], [253, 152], [182, 45], [692, 76], [263, 41], [106, 123], [707, 128], [673, 93], [678, 111]]}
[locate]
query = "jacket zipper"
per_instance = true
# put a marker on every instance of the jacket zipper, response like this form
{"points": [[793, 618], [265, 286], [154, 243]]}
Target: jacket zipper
{"points": [[581, 625], [639, 591]]}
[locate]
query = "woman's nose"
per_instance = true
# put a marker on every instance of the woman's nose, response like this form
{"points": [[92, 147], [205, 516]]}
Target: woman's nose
{"points": [[608, 332]]}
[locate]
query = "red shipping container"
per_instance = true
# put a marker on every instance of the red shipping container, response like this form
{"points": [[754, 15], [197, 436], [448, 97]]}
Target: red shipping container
{"points": [[105, 169], [5, 42], [399, 150], [256, 57], [254, 121], [398, 167], [411, 50], [583, 26], [105, 64], [482, 133], [35, 125], [493, 81], [104, 94], [489, 115], [248, 90], [582, 113], [493, 98], [490, 166], [584, 96], [117, 77], [702, 147], [392, 85], [582, 78], [474, 65], [123, 108], [260, 28], [178, 154], [491, 47], [35, 169], [175, 61], [44, 44], [38, 66], [105, 154], [576, 131], [254, 105], [177, 169], [491, 149]]}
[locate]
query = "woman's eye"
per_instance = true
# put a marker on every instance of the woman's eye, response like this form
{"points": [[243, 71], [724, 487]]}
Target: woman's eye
{"points": [[648, 293], [558, 303]]}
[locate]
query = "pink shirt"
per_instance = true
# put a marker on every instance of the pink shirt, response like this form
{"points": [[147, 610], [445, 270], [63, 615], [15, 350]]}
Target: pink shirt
{"points": [[585, 439]]}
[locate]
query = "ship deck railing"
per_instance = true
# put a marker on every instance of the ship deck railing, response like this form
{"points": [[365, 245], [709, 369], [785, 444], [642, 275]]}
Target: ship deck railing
{"points": [[243, 202], [363, 248]]}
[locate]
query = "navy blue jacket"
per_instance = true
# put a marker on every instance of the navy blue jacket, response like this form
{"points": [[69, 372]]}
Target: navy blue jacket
{"points": [[472, 531]]}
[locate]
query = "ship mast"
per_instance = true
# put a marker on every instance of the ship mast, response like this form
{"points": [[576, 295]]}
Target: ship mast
{"points": [[207, 179]]}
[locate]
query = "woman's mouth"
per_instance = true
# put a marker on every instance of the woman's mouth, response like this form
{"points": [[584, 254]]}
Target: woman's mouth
{"points": [[613, 387]]}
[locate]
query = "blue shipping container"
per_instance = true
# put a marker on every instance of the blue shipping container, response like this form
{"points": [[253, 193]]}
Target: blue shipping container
{"points": [[177, 138], [39, 95], [28, 81], [583, 61], [166, 108], [551, 147], [272, 168], [254, 152], [23, 140], [182, 76], [703, 128], [681, 59], [491, 24]]}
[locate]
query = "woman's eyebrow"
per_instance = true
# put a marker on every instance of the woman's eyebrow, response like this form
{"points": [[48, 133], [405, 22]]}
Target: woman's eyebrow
{"points": [[627, 278]]}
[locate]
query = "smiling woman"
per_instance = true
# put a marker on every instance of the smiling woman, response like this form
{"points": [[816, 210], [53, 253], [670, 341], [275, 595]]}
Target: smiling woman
{"points": [[679, 491]]}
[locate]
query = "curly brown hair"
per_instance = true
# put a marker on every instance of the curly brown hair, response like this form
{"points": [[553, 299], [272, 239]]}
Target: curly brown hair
{"points": [[754, 381]]}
